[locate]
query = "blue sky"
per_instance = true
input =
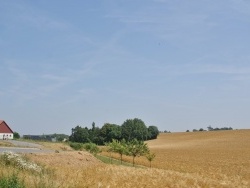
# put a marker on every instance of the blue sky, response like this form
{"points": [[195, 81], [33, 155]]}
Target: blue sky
{"points": [[175, 64]]}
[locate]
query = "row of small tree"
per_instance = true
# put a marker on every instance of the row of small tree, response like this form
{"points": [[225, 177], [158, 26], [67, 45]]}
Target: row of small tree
{"points": [[134, 148]]}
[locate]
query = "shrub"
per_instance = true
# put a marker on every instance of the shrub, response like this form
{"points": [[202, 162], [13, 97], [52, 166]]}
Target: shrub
{"points": [[92, 148], [76, 146]]}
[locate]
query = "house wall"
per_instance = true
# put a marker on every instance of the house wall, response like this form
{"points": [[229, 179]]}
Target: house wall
{"points": [[6, 136]]}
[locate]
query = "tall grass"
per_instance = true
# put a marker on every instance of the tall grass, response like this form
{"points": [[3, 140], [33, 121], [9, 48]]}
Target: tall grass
{"points": [[17, 171], [11, 181]]}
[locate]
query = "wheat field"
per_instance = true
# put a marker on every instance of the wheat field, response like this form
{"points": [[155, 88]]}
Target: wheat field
{"points": [[199, 159], [218, 158]]}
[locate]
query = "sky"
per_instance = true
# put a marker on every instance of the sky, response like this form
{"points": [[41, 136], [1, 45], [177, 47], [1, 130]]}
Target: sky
{"points": [[176, 64]]}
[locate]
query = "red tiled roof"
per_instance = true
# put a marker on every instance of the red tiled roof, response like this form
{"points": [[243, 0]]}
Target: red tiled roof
{"points": [[4, 128]]}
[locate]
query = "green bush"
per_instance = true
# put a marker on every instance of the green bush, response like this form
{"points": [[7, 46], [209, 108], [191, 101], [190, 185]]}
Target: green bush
{"points": [[92, 148], [11, 182], [16, 135], [76, 146]]}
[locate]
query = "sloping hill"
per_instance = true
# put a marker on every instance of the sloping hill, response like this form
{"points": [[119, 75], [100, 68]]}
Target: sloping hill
{"points": [[218, 155]]}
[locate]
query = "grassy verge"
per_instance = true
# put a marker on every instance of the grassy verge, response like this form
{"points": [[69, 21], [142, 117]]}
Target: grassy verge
{"points": [[109, 160], [11, 181], [5, 144]]}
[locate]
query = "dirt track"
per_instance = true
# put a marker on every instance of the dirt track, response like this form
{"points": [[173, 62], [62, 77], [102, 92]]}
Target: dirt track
{"points": [[24, 147]]}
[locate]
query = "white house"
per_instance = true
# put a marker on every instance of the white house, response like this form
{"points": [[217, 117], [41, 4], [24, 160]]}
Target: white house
{"points": [[5, 131]]}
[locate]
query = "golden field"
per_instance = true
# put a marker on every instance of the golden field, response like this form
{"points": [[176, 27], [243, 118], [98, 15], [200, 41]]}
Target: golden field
{"points": [[218, 158], [199, 159]]}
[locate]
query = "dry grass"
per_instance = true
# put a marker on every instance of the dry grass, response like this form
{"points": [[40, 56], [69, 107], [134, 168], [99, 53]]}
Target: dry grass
{"points": [[59, 146], [5, 144], [201, 159], [80, 169]]}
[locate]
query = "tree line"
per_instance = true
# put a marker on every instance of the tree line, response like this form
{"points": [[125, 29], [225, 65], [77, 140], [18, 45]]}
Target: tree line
{"points": [[209, 128], [131, 129]]}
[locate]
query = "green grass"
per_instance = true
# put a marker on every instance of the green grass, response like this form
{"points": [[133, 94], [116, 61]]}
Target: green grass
{"points": [[11, 182], [109, 160]]}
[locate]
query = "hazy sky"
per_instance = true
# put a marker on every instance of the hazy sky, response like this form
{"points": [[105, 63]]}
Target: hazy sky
{"points": [[176, 64]]}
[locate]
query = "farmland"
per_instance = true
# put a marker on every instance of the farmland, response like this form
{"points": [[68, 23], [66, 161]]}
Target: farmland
{"points": [[197, 159]]}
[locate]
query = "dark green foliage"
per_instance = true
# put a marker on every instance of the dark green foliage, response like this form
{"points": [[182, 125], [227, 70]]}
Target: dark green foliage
{"points": [[129, 130], [153, 132], [11, 181], [166, 131], [134, 129], [79, 134], [109, 132], [218, 129], [16, 135], [209, 128], [94, 134]]}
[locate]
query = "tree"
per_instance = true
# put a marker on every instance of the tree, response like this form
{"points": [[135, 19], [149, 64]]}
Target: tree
{"points": [[134, 129], [108, 132], [80, 135], [16, 135], [110, 148], [137, 148], [94, 135], [150, 157], [153, 132], [209, 128], [119, 147]]}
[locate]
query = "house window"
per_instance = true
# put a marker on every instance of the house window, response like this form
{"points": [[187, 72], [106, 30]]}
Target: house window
{"points": [[10, 135]]}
